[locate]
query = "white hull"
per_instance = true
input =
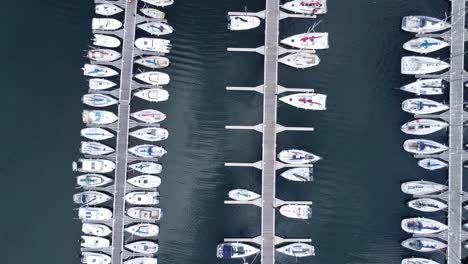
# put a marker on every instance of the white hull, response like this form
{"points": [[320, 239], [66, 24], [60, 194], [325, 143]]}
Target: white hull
{"points": [[142, 198], [94, 242], [295, 156], [95, 148], [423, 127], [156, 28], [422, 226], [145, 181], [103, 55], [154, 62], [422, 106], [153, 95], [95, 258], [153, 44], [106, 41], [153, 78], [425, 87], [235, 250], [427, 205], [143, 230], [161, 3], [418, 261], [98, 100], [96, 133], [432, 164], [423, 146], [95, 165], [146, 167], [153, 13], [308, 7], [147, 151], [142, 260], [98, 117], [107, 9], [300, 60], [243, 195], [100, 84], [108, 24], [425, 45], [423, 24], [95, 70], [149, 116], [311, 40], [308, 101], [92, 180], [96, 229], [94, 214], [423, 244], [243, 22], [143, 247], [422, 65], [296, 211], [91, 198], [298, 174], [422, 187], [145, 213], [151, 134], [297, 250]]}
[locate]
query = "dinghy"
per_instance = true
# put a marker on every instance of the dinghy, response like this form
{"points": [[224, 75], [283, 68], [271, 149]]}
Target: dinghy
{"points": [[156, 28], [300, 60], [91, 198], [422, 65], [153, 44], [94, 242], [100, 84], [308, 7], [142, 260], [235, 250], [308, 101], [153, 95], [153, 13], [149, 116], [145, 181], [297, 211], [95, 70], [107, 9], [153, 78], [154, 62], [423, 146], [418, 261], [423, 126], [151, 134], [432, 164], [161, 3], [96, 133], [143, 230], [94, 258], [142, 198], [95, 148], [425, 87], [298, 174], [108, 24], [295, 156], [422, 106], [94, 214], [92, 180], [310, 40], [243, 22], [422, 226], [98, 117], [94, 165], [146, 167], [96, 229], [422, 187], [105, 41], [145, 213], [423, 24], [427, 205], [297, 250], [143, 247], [98, 100], [103, 55], [425, 45], [243, 195], [422, 244]]}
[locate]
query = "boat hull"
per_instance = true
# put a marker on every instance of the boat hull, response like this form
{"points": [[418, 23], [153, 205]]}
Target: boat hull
{"points": [[310, 41], [427, 205], [146, 167]]}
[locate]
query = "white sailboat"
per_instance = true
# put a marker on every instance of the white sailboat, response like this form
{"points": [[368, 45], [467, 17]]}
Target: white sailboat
{"points": [[106, 41], [143, 247], [98, 100], [98, 117], [142, 198], [96, 133], [235, 250], [103, 55], [422, 244], [297, 250], [310, 40], [422, 106], [423, 126], [422, 65], [94, 214], [296, 156], [423, 146], [308, 101], [145, 181], [418, 261], [425, 45], [153, 95], [423, 24], [153, 77], [94, 242], [425, 87], [297, 211], [153, 44], [91, 198], [108, 24], [149, 116], [156, 28], [243, 22], [94, 165], [96, 229], [95, 70], [298, 174], [107, 9], [147, 151], [427, 205], [95, 148], [143, 230], [153, 62], [422, 187], [100, 84], [153, 13], [146, 167], [94, 258], [422, 226], [92, 180], [243, 195], [145, 213], [161, 3], [432, 164], [300, 60], [151, 134], [308, 7]]}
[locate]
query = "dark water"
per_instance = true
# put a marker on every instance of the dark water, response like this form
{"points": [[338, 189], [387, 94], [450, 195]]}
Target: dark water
{"points": [[357, 200]]}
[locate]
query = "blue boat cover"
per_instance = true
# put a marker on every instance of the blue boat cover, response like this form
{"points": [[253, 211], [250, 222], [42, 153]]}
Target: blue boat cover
{"points": [[227, 251]]}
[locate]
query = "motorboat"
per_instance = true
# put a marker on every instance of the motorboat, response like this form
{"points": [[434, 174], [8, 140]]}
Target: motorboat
{"points": [[243, 22], [156, 28], [96, 229], [153, 62], [423, 126], [142, 260], [107, 24], [432, 164], [297, 211], [146, 167], [91, 198], [423, 244], [98, 117], [100, 84], [95, 70], [106, 41], [94, 165], [425, 45], [147, 151], [103, 55], [422, 65], [300, 60], [96, 133], [422, 226], [428, 205], [98, 100], [235, 250], [423, 24], [153, 44], [161, 3], [107, 9], [95, 148], [94, 242], [423, 146], [149, 116], [151, 134], [243, 195], [310, 40], [422, 106], [94, 258], [153, 13], [422, 187], [425, 87], [297, 250], [418, 261], [153, 77], [295, 156], [94, 214], [145, 181], [142, 198], [298, 174], [308, 7], [153, 95], [92, 180], [143, 230], [308, 101], [145, 213], [143, 247]]}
